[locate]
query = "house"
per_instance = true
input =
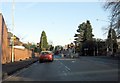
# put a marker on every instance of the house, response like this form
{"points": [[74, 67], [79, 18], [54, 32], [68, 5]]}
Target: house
{"points": [[16, 41]]}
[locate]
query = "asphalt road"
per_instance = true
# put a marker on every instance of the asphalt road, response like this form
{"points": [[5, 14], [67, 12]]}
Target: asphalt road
{"points": [[65, 69]]}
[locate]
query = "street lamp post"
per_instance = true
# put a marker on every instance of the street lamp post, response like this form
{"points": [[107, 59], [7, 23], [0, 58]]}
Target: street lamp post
{"points": [[12, 50], [13, 34]]}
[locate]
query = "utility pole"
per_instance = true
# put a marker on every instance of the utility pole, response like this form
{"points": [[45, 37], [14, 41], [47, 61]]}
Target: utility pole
{"points": [[0, 47], [0, 35], [13, 33]]}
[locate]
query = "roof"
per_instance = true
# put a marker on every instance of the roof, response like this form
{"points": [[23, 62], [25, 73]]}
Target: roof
{"points": [[10, 35], [47, 51]]}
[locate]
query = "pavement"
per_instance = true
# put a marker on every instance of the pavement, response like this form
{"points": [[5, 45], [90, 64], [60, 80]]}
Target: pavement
{"points": [[10, 68]]}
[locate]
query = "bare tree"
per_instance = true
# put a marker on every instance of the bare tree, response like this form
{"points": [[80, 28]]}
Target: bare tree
{"points": [[114, 7]]}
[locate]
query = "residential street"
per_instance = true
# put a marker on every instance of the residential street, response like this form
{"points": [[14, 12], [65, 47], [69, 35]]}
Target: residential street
{"points": [[66, 69], [60, 41]]}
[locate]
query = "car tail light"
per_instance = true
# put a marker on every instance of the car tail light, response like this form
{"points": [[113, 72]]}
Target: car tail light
{"points": [[50, 56]]}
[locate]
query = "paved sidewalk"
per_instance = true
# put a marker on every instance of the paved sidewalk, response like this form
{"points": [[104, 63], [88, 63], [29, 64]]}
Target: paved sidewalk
{"points": [[10, 68]]}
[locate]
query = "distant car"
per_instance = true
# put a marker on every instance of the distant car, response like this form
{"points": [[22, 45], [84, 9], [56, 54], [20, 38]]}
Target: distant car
{"points": [[46, 56], [57, 52]]}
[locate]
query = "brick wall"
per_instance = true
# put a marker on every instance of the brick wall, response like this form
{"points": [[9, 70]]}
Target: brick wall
{"points": [[20, 54], [5, 49], [0, 37], [4, 41]]}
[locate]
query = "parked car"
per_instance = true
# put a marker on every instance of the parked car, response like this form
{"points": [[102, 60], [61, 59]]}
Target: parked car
{"points": [[46, 56]]}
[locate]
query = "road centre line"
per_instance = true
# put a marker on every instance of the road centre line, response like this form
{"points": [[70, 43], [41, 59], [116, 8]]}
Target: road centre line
{"points": [[64, 59], [73, 61], [65, 66]]}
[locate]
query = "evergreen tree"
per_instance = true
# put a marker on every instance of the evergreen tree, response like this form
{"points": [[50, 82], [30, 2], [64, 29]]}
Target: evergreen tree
{"points": [[85, 31], [84, 37], [43, 41], [88, 31]]}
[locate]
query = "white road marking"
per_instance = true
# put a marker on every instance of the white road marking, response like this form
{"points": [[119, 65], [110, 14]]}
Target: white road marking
{"points": [[65, 66], [64, 59], [68, 68], [73, 61]]}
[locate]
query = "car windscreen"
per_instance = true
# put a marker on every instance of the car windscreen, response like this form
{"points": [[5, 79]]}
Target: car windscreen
{"points": [[44, 53]]}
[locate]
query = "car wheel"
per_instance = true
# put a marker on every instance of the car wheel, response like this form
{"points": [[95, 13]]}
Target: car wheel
{"points": [[51, 60]]}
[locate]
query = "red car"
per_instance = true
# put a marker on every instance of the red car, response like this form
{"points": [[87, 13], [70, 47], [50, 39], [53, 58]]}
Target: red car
{"points": [[46, 56]]}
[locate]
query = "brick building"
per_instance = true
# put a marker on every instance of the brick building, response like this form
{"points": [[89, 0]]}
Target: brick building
{"points": [[16, 41]]}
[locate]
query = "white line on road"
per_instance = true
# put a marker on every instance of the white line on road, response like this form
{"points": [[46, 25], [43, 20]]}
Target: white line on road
{"points": [[64, 59], [65, 66], [73, 61], [68, 68]]}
